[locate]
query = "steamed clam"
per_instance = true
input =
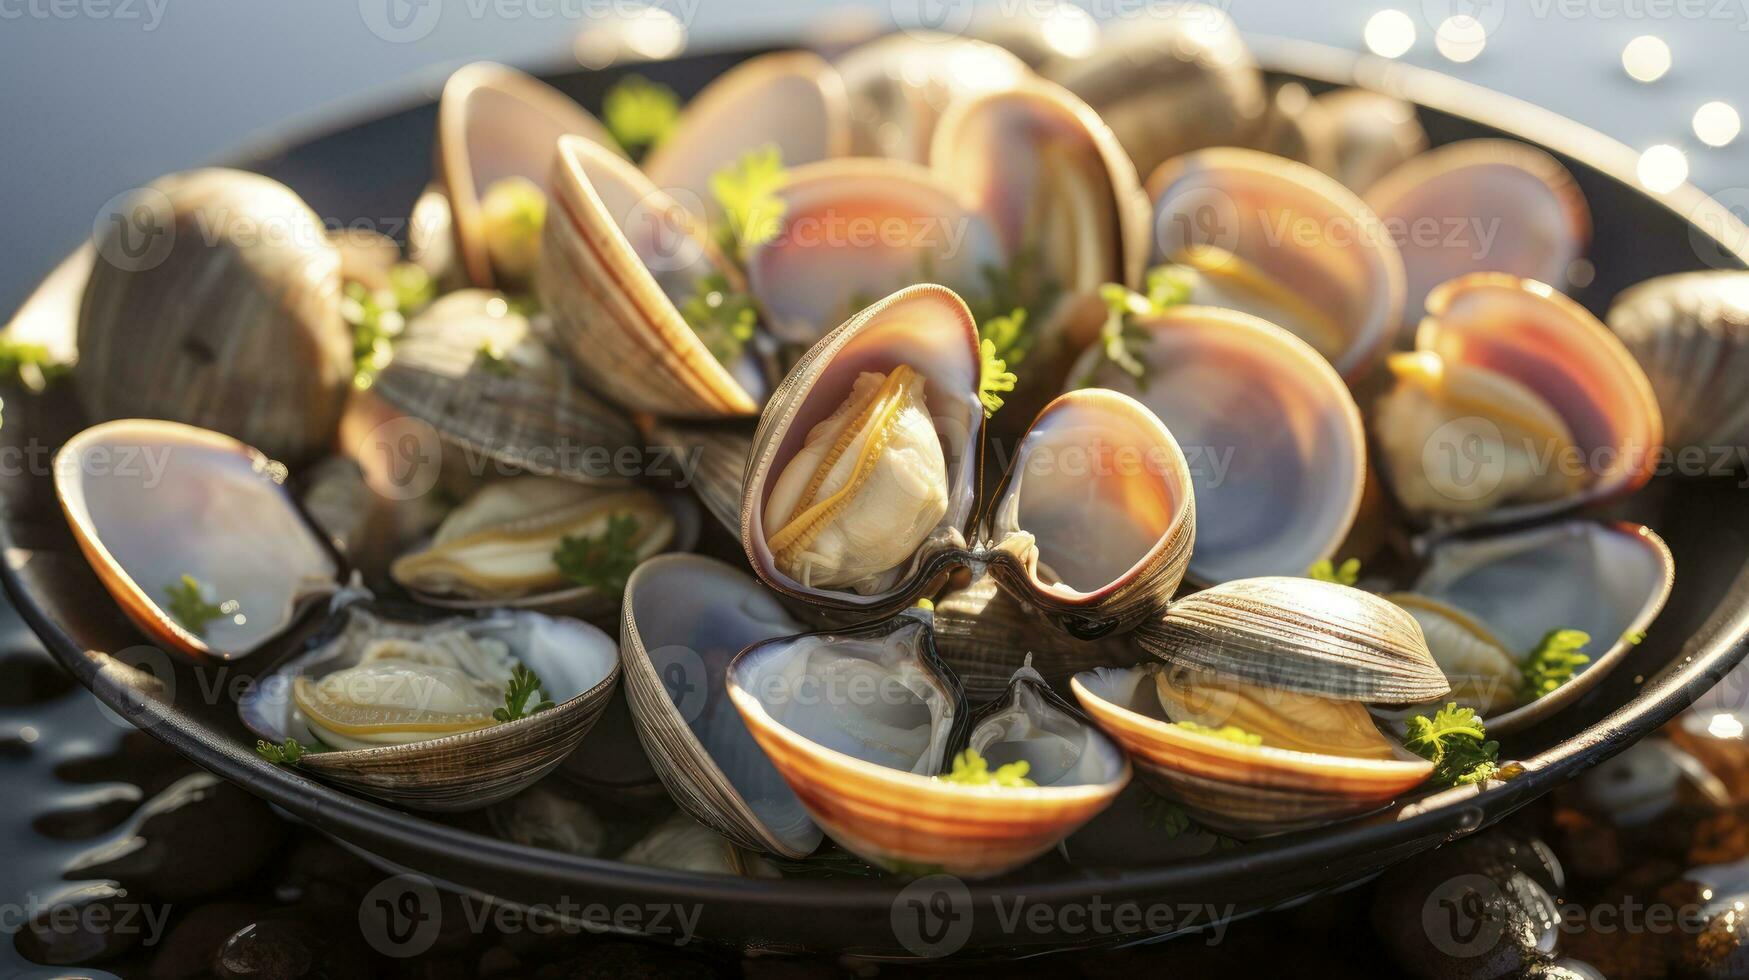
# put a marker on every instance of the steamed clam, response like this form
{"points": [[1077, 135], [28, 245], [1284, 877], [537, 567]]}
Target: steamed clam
{"points": [[216, 302], [1690, 332], [1516, 402], [889, 402], [416, 712], [533, 541], [1257, 721], [192, 534], [1371, 134], [900, 84]]}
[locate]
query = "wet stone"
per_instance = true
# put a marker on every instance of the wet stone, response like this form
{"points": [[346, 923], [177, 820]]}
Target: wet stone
{"points": [[90, 925], [285, 946], [199, 837]]}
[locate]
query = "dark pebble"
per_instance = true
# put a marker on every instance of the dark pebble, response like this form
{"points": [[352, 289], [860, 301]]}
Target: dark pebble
{"points": [[199, 837]]}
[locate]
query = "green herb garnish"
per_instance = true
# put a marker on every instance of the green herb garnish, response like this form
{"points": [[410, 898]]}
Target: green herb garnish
{"points": [[523, 685], [640, 113], [512, 213], [747, 192], [29, 364], [491, 359], [1325, 570], [1457, 744], [1635, 638], [376, 320], [722, 317], [413, 287], [1230, 733], [189, 606], [1164, 286], [1553, 663], [286, 754], [1010, 295], [603, 561], [993, 378], [970, 769]]}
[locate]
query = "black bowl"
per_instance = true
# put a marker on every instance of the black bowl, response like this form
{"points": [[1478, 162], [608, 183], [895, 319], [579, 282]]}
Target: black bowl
{"points": [[376, 167]]}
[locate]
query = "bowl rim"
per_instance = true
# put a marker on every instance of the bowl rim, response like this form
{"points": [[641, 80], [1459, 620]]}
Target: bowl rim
{"points": [[1716, 646]]}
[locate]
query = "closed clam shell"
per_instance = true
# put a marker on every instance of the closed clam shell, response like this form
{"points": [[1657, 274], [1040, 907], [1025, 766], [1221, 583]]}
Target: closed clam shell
{"points": [[1608, 579], [855, 230], [685, 617], [1530, 334], [1096, 518], [1300, 635], [1274, 440], [217, 303], [927, 330], [495, 123], [578, 669], [793, 100], [617, 255], [900, 83], [1296, 126], [1690, 333], [1371, 134], [1240, 789], [479, 373], [150, 502], [1281, 240], [709, 459], [1178, 80], [1482, 205], [984, 633]]}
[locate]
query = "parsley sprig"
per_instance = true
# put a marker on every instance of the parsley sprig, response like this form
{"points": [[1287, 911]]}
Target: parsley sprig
{"points": [[640, 113], [971, 769], [746, 190], [722, 316], [603, 561], [994, 378], [285, 754], [522, 687], [1010, 295], [189, 605], [1553, 663], [1457, 744], [1165, 286], [1325, 570], [378, 316]]}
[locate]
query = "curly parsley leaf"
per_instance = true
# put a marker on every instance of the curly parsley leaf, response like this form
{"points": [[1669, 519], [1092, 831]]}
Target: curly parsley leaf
{"points": [[994, 378], [1228, 733], [1010, 295], [971, 769], [603, 561], [640, 113], [1553, 663], [746, 190], [1325, 570], [522, 687], [722, 316], [1457, 744], [285, 754], [189, 605]]}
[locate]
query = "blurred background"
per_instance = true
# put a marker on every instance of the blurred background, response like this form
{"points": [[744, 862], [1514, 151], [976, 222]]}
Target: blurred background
{"points": [[105, 95]]}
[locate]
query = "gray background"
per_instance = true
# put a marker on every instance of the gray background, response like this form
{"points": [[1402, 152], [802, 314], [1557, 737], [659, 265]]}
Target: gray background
{"points": [[104, 95]]}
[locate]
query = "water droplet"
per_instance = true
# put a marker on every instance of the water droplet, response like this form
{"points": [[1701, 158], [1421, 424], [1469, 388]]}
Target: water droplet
{"points": [[1663, 168], [1461, 38], [1390, 33], [1646, 58], [1717, 123]]}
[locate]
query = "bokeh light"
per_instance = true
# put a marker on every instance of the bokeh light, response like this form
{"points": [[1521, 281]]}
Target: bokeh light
{"points": [[1717, 123], [1461, 38], [1663, 168], [1390, 33], [1646, 58]]}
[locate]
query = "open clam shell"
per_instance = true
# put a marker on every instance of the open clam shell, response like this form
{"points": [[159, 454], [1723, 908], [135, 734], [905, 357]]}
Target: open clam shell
{"points": [[860, 722], [1274, 440], [1300, 635], [1278, 239], [1481, 205], [1241, 789], [578, 668], [495, 123], [478, 373], [1608, 579], [497, 550], [153, 503], [1095, 520], [793, 100], [925, 335], [855, 230], [1058, 187], [1178, 80], [900, 83], [1494, 347], [684, 618], [1690, 332], [217, 303], [617, 255]]}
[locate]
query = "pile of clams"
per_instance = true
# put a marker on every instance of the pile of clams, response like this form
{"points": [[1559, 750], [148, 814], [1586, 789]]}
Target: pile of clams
{"points": [[944, 431]]}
